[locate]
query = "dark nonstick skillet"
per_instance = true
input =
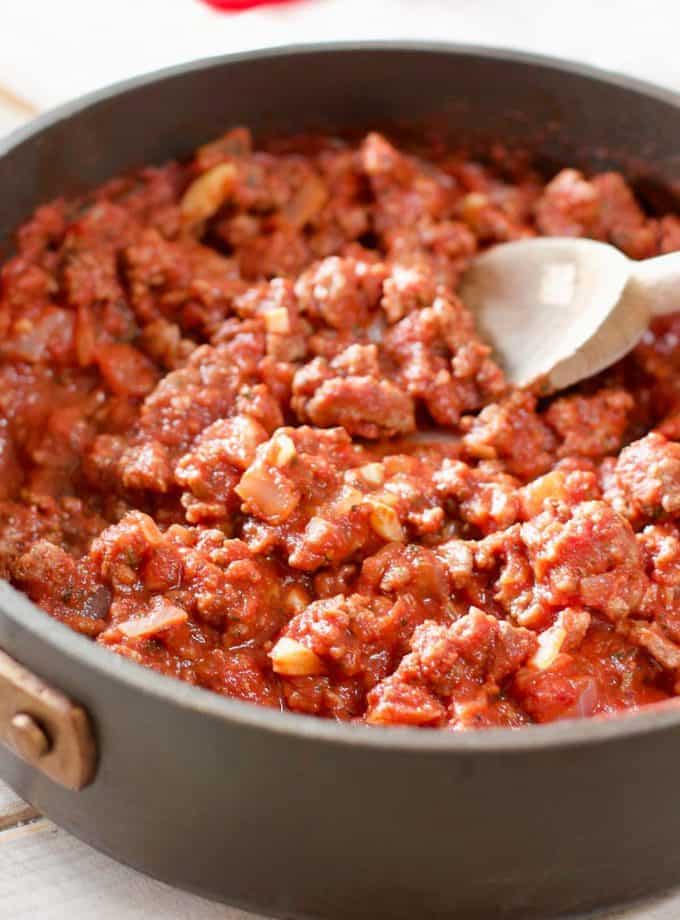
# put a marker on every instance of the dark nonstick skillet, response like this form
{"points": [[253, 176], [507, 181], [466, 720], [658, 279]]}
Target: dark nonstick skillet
{"points": [[283, 813]]}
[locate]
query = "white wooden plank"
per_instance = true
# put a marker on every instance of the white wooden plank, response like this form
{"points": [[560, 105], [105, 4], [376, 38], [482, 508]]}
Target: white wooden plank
{"points": [[663, 907], [13, 111], [46, 873], [14, 810], [9, 801], [9, 119]]}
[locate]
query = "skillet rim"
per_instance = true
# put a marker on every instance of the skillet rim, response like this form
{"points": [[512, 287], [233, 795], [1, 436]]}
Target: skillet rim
{"points": [[25, 615]]}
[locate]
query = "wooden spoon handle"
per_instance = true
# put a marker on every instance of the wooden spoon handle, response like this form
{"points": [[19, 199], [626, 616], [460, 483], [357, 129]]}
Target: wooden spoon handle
{"points": [[657, 283]]}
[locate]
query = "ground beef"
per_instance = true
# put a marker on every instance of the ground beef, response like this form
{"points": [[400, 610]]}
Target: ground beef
{"points": [[250, 438], [644, 482]]}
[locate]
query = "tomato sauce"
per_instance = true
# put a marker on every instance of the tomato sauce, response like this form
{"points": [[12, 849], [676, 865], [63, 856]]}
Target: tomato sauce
{"points": [[250, 438]]}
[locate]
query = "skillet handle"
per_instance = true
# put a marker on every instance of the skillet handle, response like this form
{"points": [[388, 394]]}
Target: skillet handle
{"points": [[656, 282], [45, 728]]}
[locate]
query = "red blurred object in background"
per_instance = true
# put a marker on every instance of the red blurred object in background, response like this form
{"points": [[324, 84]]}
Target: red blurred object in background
{"points": [[235, 5]]}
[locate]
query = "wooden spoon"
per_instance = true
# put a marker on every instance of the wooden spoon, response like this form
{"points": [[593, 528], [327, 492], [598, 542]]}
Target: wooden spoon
{"points": [[558, 310]]}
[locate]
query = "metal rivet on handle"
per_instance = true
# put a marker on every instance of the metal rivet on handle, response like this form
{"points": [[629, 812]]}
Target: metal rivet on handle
{"points": [[27, 738]]}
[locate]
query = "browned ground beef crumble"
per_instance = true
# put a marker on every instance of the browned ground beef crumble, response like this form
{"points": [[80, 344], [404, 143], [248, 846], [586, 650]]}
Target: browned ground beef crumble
{"points": [[249, 437]]}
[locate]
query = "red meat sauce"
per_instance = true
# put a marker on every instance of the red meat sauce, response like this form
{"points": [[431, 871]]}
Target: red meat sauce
{"points": [[250, 438]]}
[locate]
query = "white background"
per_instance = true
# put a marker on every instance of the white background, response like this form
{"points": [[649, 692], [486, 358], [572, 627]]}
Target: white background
{"points": [[51, 50]]}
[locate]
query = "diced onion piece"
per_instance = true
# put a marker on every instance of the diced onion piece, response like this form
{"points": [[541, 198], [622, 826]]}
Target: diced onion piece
{"points": [[282, 449], [296, 599], [123, 574], [85, 337], [318, 530], [206, 195], [536, 493], [471, 207], [465, 710], [479, 449], [373, 473], [457, 557], [550, 644], [306, 202], [272, 499], [386, 496], [165, 616], [242, 436], [531, 617], [293, 659], [150, 529], [235, 143], [660, 647], [348, 499], [277, 321], [385, 522]]}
